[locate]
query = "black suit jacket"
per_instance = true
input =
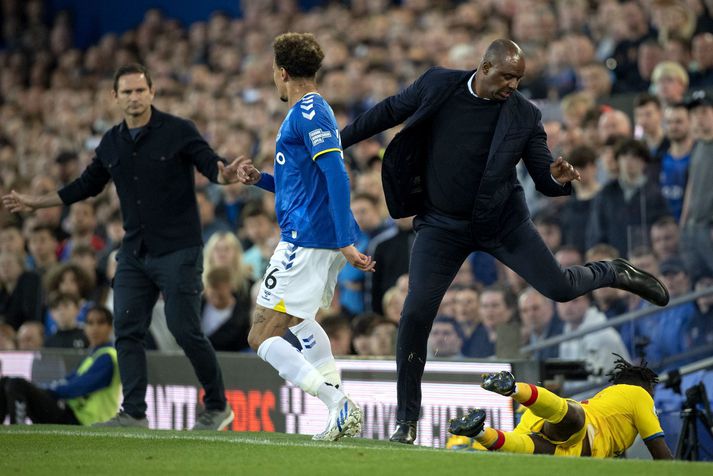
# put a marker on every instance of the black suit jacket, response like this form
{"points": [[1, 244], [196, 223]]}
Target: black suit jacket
{"points": [[500, 202]]}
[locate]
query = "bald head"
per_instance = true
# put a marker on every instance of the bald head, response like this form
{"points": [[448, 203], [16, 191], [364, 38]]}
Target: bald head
{"points": [[613, 123], [500, 70], [502, 50]]}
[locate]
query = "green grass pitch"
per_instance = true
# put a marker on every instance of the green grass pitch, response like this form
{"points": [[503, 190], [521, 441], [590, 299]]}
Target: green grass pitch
{"points": [[62, 450]]}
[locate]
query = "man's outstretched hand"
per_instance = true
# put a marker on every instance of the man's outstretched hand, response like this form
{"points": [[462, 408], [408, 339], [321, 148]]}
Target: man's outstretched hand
{"points": [[230, 173], [247, 173], [357, 259], [563, 171], [18, 202]]}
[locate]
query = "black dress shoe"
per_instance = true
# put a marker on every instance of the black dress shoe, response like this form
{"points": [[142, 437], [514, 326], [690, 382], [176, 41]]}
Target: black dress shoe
{"points": [[405, 432], [639, 282]]}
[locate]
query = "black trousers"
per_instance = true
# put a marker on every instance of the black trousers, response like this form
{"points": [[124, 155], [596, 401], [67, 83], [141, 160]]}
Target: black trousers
{"points": [[441, 246], [22, 399], [137, 284]]}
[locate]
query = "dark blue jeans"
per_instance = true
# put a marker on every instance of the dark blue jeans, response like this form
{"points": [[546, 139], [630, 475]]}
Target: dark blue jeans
{"points": [[137, 284], [441, 246]]}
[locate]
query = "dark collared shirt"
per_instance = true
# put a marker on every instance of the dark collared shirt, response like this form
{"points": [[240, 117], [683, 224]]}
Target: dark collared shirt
{"points": [[154, 178]]}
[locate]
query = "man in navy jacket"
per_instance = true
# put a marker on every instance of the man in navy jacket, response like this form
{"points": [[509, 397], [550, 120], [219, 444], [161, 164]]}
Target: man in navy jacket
{"points": [[151, 156], [453, 166]]}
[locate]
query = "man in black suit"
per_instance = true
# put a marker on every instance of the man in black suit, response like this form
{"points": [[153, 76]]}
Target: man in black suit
{"points": [[453, 166]]}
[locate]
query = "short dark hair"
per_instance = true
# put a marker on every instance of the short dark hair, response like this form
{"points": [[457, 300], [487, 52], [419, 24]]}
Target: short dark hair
{"points": [[546, 218], [104, 311], [445, 319], [614, 140], [626, 373], [254, 209], [507, 295], [364, 323], [643, 99], [591, 117], [633, 147], [58, 298], [333, 324], [665, 221], [44, 227], [66, 156], [131, 68], [298, 53], [582, 156]]}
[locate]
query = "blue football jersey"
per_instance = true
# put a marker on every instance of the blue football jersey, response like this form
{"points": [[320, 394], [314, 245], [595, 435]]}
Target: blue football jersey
{"points": [[301, 199]]}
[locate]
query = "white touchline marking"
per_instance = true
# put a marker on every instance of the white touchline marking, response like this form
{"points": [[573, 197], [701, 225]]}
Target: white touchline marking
{"points": [[228, 439]]}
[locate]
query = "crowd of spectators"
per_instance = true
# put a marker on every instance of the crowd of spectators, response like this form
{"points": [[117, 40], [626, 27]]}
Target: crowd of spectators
{"points": [[643, 193]]}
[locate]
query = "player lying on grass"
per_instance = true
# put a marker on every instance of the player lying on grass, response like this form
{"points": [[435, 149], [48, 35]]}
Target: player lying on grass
{"points": [[604, 426]]}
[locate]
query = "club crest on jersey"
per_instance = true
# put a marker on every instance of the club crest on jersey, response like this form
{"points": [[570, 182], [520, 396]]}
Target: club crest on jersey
{"points": [[318, 136]]}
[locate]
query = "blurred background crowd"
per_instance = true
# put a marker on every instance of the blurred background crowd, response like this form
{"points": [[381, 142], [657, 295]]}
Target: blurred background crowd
{"points": [[621, 85]]}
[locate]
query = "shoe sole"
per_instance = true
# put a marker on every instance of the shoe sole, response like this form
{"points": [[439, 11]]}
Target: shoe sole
{"points": [[355, 428], [351, 428], [467, 430], [118, 425], [487, 376], [228, 420]]}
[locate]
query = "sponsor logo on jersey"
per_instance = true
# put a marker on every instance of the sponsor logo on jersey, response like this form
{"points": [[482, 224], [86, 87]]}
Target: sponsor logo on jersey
{"points": [[318, 136]]}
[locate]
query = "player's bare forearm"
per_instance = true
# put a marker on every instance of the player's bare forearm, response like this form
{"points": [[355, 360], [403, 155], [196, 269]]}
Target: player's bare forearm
{"points": [[659, 449]]}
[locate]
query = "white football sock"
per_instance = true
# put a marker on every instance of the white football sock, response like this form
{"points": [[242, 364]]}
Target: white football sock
{"points": [[317, 350], [292, 366]]}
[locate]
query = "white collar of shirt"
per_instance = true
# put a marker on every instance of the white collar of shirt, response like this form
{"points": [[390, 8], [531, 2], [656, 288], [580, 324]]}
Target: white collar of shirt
{"points": [[470, 87]]}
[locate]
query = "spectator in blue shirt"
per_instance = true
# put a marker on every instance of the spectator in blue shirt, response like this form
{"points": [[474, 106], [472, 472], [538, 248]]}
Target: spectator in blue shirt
{"points": [[675, 161], [665, 329], [699, 332]]}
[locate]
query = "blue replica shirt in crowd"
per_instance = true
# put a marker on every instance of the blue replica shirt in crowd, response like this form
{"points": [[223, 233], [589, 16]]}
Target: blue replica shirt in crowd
{"points": [[674, 174], [311, 182]]}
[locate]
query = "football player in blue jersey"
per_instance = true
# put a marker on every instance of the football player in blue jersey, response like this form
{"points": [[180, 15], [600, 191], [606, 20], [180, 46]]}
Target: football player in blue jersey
{"points": [[311, 189]]}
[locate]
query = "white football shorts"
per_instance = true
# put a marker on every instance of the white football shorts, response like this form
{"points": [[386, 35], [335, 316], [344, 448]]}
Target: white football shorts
{"points": [[300, 280]]}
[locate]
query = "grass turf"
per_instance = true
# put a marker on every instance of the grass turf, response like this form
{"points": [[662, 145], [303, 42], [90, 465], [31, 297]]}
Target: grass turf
{"points": [[59, 451]]}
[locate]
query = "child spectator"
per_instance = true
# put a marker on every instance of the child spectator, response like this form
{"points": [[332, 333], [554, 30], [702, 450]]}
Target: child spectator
{"points": [[68, 278], [64, 309]]}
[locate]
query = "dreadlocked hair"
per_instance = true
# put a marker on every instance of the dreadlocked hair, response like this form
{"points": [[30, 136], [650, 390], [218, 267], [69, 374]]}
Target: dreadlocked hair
{"points": [[624, 372]]}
